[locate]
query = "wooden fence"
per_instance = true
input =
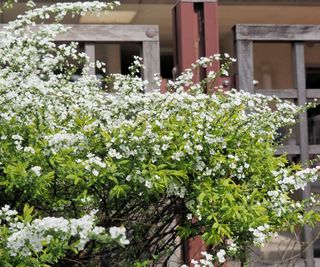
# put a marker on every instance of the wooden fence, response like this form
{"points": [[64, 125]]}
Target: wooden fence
{"points": [[297, 35]]}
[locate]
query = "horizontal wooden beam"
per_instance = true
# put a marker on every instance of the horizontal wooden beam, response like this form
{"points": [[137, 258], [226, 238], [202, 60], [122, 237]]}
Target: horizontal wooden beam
{"points": [[108, 33], [153, 2], [221, 2], [277, 32], [314, 149], [290, 150], [288, 93], [295, 150], [197, 1], [281, 93], [313, 93], [270, 2]]}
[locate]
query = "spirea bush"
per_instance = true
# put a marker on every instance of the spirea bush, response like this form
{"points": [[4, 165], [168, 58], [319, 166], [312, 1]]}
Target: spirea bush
{"points": [[78, 159]]}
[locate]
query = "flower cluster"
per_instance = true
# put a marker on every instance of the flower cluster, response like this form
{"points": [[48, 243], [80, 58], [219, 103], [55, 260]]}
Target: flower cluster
{"points": [[208, 259], [140, 158], [259, 234], [27, 238], [298, 180], [119, 232], [6, 214]]}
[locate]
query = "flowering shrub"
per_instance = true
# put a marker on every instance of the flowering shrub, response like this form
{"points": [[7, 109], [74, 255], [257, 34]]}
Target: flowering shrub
{"points": [[181, 164], [33, 242]]}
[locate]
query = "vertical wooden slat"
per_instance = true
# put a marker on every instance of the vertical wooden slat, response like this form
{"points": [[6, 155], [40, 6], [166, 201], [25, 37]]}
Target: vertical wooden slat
{"points": [[244, 54], [300, 84], [151, 59], [89, 49]]}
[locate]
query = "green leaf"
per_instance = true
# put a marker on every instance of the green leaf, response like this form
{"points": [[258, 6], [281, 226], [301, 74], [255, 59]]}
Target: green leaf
{"points": [[74, 178], [27, 213], [119, 191]]}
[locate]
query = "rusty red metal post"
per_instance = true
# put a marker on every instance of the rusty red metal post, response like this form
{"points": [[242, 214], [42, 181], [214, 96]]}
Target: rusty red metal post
{"points": [[211, 31], [196, 34]]}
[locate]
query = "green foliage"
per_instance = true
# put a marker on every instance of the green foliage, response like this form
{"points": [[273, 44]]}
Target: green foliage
{"points": [[182, 163]]}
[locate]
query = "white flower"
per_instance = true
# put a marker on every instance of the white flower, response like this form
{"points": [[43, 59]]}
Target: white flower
{"points": [[36, 170], [208, 256], [29, 149], [119, 232], [114, 154], [17, 137], [98, 64], [148, 184], [98, 230], [177, 155], [232, 247], [221, 255], [95, 172]]}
